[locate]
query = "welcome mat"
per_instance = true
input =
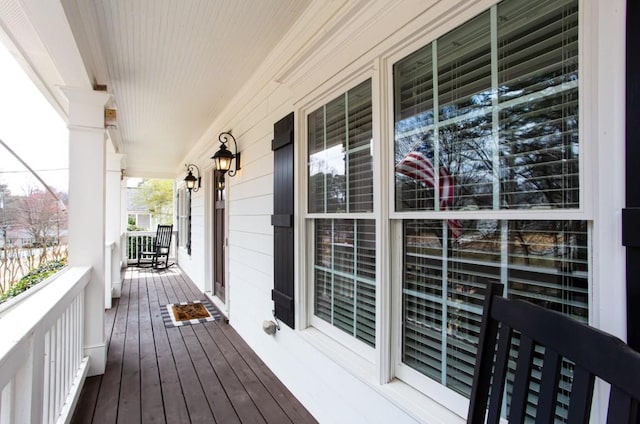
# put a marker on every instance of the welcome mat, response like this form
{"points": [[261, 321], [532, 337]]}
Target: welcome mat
{"points": [[188, 313]]}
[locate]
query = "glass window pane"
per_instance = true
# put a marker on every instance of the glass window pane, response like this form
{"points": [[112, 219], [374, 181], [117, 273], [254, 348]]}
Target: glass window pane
{"points": [[445, 276], [359, 157], [340, 159], [344, 276], [464, 69], [538, 91], [504, 133]]}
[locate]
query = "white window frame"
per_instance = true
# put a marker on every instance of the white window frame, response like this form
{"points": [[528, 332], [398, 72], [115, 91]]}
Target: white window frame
{"points": [[440, 393], [182, 217], [308, 318]]}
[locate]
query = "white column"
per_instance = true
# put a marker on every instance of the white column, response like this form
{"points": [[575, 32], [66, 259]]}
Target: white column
{"points": [[87, 211], [113, 224], [124, 220]]}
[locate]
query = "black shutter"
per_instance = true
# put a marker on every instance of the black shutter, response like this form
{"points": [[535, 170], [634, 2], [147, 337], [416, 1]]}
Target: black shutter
{"points": [[282, 220]]}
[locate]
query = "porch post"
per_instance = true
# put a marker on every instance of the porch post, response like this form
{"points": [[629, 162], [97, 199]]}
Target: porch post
{"points": [[113, 224], [87, 211]]}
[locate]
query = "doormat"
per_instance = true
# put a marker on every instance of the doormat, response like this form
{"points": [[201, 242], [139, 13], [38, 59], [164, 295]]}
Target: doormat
{"points": [[188, 313]]}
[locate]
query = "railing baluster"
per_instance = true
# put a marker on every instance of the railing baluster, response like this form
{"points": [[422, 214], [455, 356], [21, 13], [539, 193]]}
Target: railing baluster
{"points": [[65, 350], [47, 372], [58, 368], [8, 403], [52, 376]]}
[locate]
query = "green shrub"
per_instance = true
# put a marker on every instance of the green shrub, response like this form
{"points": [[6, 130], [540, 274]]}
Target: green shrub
{"points": [[33, 277]]}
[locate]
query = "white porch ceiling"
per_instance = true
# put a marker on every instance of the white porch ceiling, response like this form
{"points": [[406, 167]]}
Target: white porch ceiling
{"points": [[171, 65]]}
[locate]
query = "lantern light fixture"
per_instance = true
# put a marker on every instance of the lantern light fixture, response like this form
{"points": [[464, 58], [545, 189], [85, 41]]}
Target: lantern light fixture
{"points": [[192, 182], [223, 157]]}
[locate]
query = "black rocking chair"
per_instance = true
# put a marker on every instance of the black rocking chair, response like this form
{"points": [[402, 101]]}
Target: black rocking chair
{"points": [[594, 353], [158, 257]]}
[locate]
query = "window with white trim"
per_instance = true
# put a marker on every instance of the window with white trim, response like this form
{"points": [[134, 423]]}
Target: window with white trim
{"points": [[486, 124], [485, 187], [340, 212], [183, 218]]}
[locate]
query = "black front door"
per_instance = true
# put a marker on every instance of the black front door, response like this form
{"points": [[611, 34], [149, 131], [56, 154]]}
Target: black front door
{"points": [[218, 239]]}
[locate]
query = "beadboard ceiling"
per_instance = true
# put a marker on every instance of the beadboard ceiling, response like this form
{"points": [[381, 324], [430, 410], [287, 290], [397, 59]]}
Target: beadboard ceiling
{"points": [[171, 65]]}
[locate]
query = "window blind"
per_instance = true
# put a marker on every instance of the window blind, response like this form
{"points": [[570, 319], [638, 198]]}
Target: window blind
{"points": [[496, 100], [545, 262], [340, 154], [344, 275], [538, 75]]}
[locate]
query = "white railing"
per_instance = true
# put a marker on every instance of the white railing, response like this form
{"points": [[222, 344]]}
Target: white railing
{"points": [[42, 367], [143, 240]]}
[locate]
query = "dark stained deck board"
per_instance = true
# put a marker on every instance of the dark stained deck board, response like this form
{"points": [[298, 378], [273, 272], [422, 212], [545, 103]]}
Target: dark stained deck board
{"points": [[291, 406], [106, 408], [209, 381], [86, 404], [151, 392], [267, 406], [242, 403], [175, 406], [203, 373], [129, 400]]}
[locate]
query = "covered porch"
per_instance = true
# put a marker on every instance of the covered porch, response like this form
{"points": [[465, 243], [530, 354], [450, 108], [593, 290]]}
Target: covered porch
{"points": [[516, 108], [193, 373]]}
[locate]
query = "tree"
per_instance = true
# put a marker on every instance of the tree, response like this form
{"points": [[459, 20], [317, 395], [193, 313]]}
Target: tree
{"points": [[157, 197], [39, 215], [4, 200]]}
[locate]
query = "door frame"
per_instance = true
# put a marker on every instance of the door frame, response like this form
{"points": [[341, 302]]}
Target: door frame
{"points": [[210, 197]]}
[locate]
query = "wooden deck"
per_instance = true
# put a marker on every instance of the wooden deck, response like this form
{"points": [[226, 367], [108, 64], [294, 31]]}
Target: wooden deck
{"points": [[202, 373]]}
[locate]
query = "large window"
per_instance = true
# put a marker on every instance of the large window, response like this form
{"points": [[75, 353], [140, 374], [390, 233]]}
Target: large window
{"points": [[483, 135], [341, 186], [486, 123]]}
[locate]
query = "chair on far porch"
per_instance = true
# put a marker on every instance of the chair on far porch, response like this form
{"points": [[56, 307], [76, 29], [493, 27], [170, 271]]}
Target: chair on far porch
{"points": [[158, 256], [549, 337]]}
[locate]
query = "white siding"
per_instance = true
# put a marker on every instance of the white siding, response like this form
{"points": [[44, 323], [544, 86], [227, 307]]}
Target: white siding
{"points": [[333, 42]]}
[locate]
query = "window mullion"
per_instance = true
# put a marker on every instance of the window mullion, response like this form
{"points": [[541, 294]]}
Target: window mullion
{"points": [[504, 254], [445, 297], [346, 149], [355, 277], [436, 129], [495, 111], [324, 148], [333, 267]]}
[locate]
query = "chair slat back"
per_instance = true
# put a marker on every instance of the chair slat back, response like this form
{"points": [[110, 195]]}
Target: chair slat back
{"points": [[163, 236], [548, 387], [593, 352]]}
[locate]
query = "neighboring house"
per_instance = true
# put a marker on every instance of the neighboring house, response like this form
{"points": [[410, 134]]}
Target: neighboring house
{"points": [[396, 157], [18, 238], [23, 238], [139, 214]]}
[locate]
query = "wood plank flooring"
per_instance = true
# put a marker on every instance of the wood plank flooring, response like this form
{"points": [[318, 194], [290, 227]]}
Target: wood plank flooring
{"points": [[203, 373]]}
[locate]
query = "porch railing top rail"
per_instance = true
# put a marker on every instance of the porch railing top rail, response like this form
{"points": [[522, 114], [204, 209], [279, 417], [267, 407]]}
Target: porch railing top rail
{"points": [[39, 309], [11, 303]]}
